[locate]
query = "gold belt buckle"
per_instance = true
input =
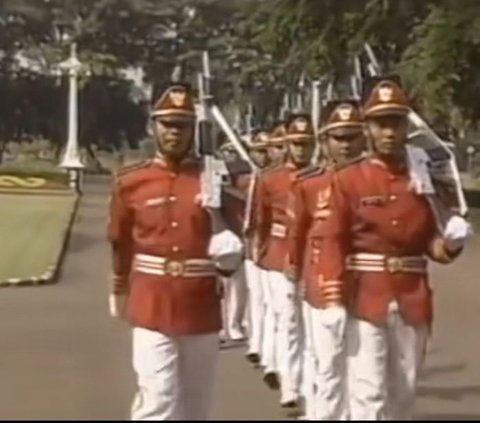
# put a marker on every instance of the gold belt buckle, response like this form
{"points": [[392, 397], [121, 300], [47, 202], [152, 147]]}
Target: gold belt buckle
{"points": [[174, 268], [394, 265]]}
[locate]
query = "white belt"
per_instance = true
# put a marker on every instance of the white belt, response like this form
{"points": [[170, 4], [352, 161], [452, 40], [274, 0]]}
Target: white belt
{"points": [[366, 262], [162, 266], [278, 230]]}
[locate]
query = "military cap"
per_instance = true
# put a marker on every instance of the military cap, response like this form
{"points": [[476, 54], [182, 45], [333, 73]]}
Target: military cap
{"points": [[277, 134], [385, 97], [300, 128], [176, 103], [259, 140], [342, 117], [227, 146]]}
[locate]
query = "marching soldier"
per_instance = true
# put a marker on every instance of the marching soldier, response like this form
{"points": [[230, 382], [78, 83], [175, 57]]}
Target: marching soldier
{"points": [[382, 232], [256, 304], [275, 144], [167, 253], [342, 133], [271, 220]]}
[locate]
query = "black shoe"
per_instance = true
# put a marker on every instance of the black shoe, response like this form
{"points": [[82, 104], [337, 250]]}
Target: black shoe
{"points": [[271, 380], [290, 404], [253, 358]]}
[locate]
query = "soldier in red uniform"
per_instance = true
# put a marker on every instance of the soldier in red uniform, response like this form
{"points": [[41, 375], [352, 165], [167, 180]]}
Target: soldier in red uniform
{"points": [[309, 212], [259, 153], [271, 228], [166, 259], [276, 147], [383, 230]]}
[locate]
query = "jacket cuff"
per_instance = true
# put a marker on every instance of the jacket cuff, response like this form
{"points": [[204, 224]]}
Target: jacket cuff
{"points": [[119, 284]]}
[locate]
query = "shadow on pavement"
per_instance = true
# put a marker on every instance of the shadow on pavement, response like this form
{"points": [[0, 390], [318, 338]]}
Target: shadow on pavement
{"points": [[431, 371], [450, 393]]}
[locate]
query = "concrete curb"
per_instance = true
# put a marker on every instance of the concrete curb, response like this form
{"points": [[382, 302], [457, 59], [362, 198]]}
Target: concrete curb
{"points": [[51, 274]]}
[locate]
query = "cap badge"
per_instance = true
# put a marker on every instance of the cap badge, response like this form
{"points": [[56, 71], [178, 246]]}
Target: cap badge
{"points": [[385, 94], [178, 98], [300, 125], [345, 112]]}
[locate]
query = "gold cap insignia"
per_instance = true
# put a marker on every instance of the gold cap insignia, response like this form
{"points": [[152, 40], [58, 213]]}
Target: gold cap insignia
{"points": [[300, 125], [385, 94], [345, 111], [178, 98]]}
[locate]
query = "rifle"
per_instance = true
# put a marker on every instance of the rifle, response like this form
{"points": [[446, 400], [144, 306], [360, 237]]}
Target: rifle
{"points": [[285, 108], [212, 110], [316, 112], [213, 168], [316, 105], [442, 165], [356, 79], [300, 97]]}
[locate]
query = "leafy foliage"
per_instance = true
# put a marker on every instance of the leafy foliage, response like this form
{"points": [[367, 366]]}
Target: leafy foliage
{"points": [[258, 51]]}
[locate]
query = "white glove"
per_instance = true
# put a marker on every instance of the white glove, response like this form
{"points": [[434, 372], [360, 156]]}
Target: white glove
{"points": [[456, 233], [117, 305], [335, 319], [226, 250]]}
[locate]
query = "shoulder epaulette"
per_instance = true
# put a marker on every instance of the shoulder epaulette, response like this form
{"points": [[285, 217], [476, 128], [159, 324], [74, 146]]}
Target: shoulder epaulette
{"points": [[309, 172], [349, 163], [133, 167]]}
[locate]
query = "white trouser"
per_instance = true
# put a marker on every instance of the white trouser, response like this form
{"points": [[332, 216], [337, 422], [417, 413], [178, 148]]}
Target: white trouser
{"points": [[309, 364], [331, 397], [270, 325], [175, 375], [256, 307], [383, 366], [287, 325], [234, 304]]}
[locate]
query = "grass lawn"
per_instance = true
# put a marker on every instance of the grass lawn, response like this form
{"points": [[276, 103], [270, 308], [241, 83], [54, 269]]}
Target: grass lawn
{"points": [[32, 230]]}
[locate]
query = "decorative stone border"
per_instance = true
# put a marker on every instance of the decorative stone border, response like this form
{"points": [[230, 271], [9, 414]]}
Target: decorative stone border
{"points": [[52, 272], [19, 191]]}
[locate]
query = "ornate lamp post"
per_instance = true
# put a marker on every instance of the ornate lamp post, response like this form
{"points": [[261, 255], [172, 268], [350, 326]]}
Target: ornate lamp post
{"points": [[71, 158]]}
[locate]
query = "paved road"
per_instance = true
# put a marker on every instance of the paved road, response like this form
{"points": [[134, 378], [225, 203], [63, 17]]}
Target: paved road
{"points": [[62, 357]]}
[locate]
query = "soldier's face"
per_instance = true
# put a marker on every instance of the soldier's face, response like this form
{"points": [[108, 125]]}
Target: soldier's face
{"points": [[342, 148], [301, 151], [260, 157], [388, 134], [174, 138], [277, 153]]}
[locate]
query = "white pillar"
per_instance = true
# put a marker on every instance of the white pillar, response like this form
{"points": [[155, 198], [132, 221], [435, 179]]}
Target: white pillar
{"points": [[71, 158]]}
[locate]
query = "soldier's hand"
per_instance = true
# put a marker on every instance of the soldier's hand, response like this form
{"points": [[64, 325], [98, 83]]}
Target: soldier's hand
{"points": [[117, 304], [456, 233], [256, 254]]}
